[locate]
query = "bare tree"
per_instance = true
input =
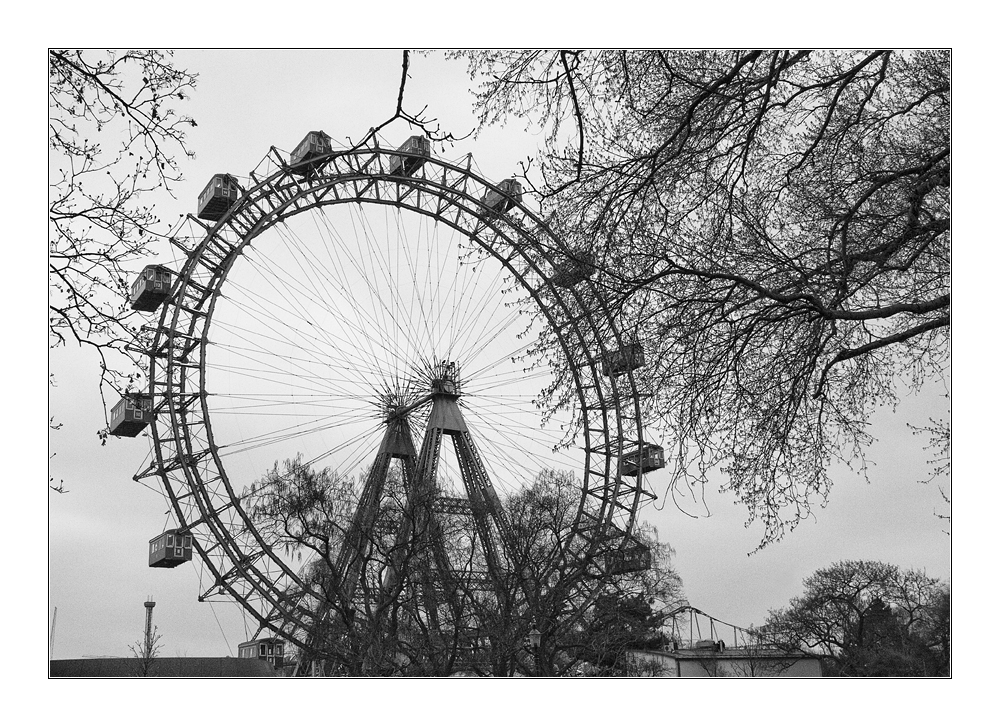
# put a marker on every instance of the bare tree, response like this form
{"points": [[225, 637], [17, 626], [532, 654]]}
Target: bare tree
{"points": [[307, 512], [641, 666], [772, 226], [458, 620], [625, 616], [145, 652], [938, 432], [715, 666], [115, 143], [419, 120], [759, 656], [866, 618], [366, 623]]}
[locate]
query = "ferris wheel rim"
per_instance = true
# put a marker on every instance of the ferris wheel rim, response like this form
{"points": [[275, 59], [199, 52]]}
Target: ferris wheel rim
{"points": [[166, 339]]}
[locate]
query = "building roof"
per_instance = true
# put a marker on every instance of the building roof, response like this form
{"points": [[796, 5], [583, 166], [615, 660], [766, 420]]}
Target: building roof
{"points": [[740, 653], [168, 667]]}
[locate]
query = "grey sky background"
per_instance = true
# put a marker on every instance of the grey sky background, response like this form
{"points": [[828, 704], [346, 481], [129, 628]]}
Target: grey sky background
{"points": [[246, 101]]}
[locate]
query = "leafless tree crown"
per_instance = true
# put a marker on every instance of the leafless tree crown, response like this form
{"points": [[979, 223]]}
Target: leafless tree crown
{"points": [[775, 228], [114, 139]]}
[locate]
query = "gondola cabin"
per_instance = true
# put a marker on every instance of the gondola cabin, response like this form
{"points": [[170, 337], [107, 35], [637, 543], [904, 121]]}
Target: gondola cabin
{"points": [[131, 415], [270, 649], [625, 359], [647, 458], [409, 164], [151, 288], [506, 195], [304, 157], [170, 549], [630, 559], [219, 195], [576, 268]]}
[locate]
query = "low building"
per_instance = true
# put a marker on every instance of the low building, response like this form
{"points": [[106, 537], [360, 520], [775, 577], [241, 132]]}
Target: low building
{"points": [[720, 661]]}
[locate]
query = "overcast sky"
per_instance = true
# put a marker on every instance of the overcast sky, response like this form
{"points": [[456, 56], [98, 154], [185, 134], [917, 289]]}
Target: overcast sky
{"points": [[247, 101]]}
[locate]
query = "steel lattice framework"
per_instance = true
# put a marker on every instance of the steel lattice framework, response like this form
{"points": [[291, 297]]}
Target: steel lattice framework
{"points": [[189, 462]]}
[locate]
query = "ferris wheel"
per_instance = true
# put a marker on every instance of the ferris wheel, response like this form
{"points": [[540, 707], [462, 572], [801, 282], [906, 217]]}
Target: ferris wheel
{"points": [[412, 330]]}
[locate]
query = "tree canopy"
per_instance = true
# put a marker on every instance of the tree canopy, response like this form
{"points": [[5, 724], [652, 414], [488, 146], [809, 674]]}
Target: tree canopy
{"points": [[114, 138], [870, 619], [631, 606], [457, 624], [772, 226]]}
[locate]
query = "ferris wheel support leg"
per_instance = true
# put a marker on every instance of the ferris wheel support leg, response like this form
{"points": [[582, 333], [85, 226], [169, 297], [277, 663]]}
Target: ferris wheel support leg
{"points": [[487, 512], [351, 560], [416, 514]]}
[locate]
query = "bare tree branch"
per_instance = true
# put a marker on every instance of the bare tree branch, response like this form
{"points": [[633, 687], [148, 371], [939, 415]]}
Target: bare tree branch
{"points": [[114, 140], [772, 227]]}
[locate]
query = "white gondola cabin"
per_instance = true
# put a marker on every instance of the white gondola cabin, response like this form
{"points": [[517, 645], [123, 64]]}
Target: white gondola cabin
{"points": [[270, 649], [218, 197], [623, 360], [507, 194], [305, 156], [576, 268], [407, 165], [151, 288], [647, 458], [633, 558], [131, 415], [170, 549]]}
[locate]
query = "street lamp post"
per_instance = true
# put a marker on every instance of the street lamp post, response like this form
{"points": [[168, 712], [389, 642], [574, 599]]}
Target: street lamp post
{"points": [[534, 641]]}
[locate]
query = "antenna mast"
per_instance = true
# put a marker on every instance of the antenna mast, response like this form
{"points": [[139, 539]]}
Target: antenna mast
{"points": [[149, 628], [52, 633]]}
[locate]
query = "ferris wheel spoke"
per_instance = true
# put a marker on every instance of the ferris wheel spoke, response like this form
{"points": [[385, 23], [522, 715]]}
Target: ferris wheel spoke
{"points": [[271, 364], [373, 319], [417, 303], [361, 447], [317, 331], [513, 472], [245, 376], [291, 432], [523, 406], [272, 358], [319, 293], [473, 310], [268, 361], [328, 359], [387, 284], [303, 340], [504, 379], [505, 357], [253, 410], [292, 283], [302, 363], [375, 334]]}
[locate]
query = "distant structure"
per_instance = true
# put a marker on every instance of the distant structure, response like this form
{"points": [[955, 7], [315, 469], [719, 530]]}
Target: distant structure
{"points": [[148, 643], [52, 633], [701, 653], [270, 649], [716, 659], [166, 668]]}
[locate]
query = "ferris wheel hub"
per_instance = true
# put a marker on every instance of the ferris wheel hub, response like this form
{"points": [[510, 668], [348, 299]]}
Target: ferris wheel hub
{"points": [[445, 379], [445, 389]]}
